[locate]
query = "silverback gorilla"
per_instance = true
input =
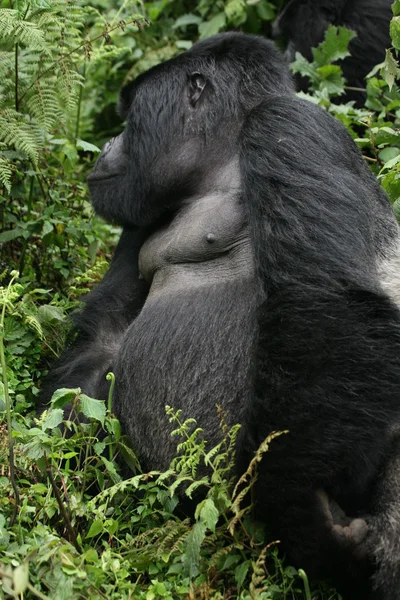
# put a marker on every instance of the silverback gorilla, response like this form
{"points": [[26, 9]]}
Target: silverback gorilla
{"points": [[254, 271], [302, 24]]}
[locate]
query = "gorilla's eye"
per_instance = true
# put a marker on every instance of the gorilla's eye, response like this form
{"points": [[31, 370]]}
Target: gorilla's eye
{"points": [[197, 84]]}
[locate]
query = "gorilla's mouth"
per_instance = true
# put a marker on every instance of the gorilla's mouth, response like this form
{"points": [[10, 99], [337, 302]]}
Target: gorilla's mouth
{"points": [[97, 177]]}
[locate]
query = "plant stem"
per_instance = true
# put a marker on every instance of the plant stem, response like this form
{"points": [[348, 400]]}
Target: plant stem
{"points": [[64, 511], [16, 77], [78, 114]]}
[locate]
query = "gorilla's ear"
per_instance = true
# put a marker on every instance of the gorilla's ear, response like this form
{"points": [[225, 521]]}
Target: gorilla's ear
{"points": [[197, 83]]}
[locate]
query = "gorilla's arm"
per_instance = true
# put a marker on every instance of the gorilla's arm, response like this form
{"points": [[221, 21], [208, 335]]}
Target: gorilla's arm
{"points": [[101, 324], [329, 337]]}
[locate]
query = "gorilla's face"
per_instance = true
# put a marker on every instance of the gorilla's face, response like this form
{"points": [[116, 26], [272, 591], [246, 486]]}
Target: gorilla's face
{"points": [[159, 153], [183, 121]]}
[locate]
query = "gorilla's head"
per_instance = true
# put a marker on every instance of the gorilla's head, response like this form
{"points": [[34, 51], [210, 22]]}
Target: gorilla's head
{"points": [[183, 121]]}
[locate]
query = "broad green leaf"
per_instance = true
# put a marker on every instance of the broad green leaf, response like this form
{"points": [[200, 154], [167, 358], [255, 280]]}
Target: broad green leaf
{"points": [[265, 10], [52, 418], [63, 396], [95, 528], [191, 556], [50, 314], [212, 26], [236, 12], [21, 578], [241, 572], [185, 20], [12, 234], [209, 514], [87, 147], [388, 153], [396, 7], [92, 408]]}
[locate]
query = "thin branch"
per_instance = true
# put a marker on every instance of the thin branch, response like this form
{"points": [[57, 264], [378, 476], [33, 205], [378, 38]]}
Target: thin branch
{"points": [[64, 511]]}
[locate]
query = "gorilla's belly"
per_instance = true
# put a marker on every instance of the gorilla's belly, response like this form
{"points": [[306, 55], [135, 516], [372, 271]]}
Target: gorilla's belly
{"points": [[191, 350], [191, 346]]}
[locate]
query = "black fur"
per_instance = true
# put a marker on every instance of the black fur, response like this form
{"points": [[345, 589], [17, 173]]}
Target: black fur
{"points": [[302, 25], [305, 339]]}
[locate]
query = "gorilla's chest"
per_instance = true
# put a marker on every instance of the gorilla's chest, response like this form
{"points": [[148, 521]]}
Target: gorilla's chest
{"points": [[207, 243]]}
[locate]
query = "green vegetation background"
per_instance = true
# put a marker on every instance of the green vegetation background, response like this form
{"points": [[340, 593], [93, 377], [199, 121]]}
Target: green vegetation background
{"points": [[70, 526]]}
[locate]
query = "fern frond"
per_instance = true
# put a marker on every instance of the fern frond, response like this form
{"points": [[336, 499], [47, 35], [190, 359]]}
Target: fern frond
{"points": [[19, 31], [34, 324], [5, 173], [42, 104], [15, 132]]}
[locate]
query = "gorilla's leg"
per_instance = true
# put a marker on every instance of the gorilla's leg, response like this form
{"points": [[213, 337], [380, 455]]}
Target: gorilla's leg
{"points": [[100, 325]]}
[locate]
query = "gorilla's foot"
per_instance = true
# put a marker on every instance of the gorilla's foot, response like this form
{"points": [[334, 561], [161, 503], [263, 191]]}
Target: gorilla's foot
{"points": [[346, 531]]}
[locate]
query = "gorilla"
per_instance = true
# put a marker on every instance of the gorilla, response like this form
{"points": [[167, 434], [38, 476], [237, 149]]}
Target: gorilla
{"points": [[257, 269], [302, 25]]}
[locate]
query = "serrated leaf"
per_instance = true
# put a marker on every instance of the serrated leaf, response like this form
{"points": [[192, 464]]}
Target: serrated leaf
{"points": [[334, 47], [389, 69], [92, 408], [302, 66]]}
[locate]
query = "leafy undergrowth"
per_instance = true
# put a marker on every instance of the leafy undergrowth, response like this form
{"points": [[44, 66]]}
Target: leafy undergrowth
{"points": [[74, 528]]}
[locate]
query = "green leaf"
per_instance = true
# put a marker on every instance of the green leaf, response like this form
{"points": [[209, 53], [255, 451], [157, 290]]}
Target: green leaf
{"points": [[212, 26], [185, 20], [396, 7], [11, 234], [52, 419], [63, 396], [304, 67], [20, 578], [236, 12], [334, 47], [241, 572], [395, 32], [87, 147], [265, 10], [50, 314], [191, 556], [209, 514], [390, 69], [95, 528], [92, 408], [388, 154]]}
